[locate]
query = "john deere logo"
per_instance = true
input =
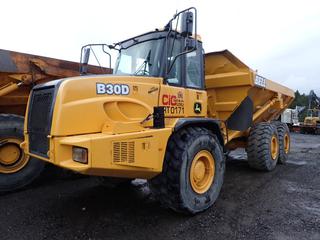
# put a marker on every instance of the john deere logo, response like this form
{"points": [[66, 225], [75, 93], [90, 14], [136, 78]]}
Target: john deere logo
{"points": [[197, 107]]}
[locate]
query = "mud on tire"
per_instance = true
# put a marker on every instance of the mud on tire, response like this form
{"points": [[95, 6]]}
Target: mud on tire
{"points": [[11, 127], [173, 187], [263, 147]]}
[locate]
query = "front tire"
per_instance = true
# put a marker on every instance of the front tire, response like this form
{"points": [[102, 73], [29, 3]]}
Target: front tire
{"points": [[16, 169], [193, 171]]}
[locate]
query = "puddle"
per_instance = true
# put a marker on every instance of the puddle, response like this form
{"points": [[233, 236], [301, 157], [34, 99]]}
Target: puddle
{"points": [[238, 154], [293, 187], [310, 207], [314, 210], [298, 163]]}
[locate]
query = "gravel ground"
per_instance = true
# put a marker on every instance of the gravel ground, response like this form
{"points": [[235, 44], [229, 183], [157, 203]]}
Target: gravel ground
{"points": [[283, 204]]}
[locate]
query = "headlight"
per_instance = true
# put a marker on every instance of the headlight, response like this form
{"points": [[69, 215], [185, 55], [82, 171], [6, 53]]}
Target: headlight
{"points": [[80, 154]]}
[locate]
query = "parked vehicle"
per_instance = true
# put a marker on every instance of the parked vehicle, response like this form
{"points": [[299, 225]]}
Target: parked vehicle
{"points": [[167, 114]]}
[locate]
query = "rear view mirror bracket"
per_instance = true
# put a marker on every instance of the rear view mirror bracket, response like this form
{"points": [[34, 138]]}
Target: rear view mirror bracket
{"points": [[188, 19], [85, 55]]}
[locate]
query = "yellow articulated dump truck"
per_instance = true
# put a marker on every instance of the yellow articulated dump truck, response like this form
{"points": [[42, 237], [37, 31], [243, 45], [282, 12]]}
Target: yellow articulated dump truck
{"points": [[19, 72], [168, 114]]}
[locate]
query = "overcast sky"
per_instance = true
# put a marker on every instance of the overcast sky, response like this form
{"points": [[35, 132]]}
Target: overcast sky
{"points": [[279, 38]]}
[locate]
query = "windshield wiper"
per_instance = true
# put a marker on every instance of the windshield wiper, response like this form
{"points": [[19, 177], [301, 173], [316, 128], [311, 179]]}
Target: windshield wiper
{"points": [[143, 67]]}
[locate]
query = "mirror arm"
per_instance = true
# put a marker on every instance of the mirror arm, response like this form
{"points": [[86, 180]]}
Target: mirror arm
{"points": [[103, 49], [82, 67]]}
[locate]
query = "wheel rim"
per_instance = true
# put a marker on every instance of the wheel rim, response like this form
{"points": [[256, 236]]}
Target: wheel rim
{"points": [[12, 158], [202, 171], [274, 147], [286, 143]]}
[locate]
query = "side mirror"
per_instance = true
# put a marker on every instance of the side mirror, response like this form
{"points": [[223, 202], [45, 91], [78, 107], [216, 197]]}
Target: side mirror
{"points": [[85, 61], [187, 24]]}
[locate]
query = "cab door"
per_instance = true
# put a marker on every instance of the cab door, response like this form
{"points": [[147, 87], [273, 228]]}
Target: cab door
{"points": [[183, 93], [193, 79]]}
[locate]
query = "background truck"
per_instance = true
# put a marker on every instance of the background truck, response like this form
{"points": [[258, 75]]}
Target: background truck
{"points": [[311, 123], [291, 117], [19, 72], [168, 114]]}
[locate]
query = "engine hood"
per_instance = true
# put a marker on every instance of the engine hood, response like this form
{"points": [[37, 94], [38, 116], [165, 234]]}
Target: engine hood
{"points": [[88, 104]]}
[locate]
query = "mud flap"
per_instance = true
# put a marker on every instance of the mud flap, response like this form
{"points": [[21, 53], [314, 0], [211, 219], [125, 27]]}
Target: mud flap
{"points": [[241, 118]]}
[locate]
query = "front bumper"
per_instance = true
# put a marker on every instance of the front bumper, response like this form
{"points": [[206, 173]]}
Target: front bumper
{"points": [[131, 155]]}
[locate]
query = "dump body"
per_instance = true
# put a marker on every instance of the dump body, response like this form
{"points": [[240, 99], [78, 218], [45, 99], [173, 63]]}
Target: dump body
{"points": [[19, 72], [229, 82]]}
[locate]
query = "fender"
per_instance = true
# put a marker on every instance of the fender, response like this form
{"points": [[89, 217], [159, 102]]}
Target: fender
{"points": [[211, 124]]}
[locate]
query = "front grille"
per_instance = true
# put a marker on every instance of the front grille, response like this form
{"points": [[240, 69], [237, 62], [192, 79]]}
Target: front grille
{"points": [[123, 152], [39, 120]]}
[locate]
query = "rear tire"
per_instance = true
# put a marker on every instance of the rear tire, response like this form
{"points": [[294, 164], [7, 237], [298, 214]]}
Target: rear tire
{"points": [[15, 173], [263, 147], [193, 171], [284, 141]]}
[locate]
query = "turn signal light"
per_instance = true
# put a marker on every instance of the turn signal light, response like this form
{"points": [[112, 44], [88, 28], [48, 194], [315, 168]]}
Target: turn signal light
{"points": [[80, 154]]}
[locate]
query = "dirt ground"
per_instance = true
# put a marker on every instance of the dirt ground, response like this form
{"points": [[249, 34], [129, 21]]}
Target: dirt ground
{"points": [[283, 204]]}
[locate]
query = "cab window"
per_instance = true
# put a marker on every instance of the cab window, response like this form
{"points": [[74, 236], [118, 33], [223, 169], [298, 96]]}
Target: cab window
{"points": [[193, 69], [174, 76]]}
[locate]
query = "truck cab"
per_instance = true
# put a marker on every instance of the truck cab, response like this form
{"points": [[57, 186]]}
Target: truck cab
{"points": [[107, 124]]}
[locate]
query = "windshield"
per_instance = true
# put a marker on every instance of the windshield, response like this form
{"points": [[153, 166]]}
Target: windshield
{"points": [[142, 59]]}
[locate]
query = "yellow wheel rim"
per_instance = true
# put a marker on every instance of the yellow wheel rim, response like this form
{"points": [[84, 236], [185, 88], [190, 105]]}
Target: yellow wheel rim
{"points": [[202, 171], [286, 143], [274, 147], [12, 158]]}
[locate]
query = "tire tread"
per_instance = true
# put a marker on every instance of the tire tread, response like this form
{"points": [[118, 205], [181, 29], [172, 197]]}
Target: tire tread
{"points": [[166, 186]]}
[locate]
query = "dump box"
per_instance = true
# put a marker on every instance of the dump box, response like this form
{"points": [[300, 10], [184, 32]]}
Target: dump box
{"points": [[19, 72], [229, 82]]}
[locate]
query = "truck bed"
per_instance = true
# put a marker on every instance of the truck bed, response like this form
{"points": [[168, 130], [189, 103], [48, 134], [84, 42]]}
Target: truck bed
{"points": [[229, 82]]}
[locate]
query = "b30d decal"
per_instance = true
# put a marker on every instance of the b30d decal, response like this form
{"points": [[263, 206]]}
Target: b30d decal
{"points": [[112, 89]]}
